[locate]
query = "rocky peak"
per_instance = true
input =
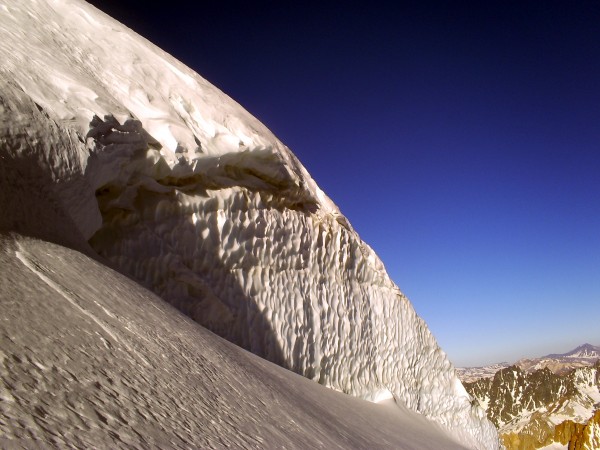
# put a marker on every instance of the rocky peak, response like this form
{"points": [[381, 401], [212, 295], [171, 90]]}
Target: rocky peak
{"points": [[529, 409], [513, 391]]}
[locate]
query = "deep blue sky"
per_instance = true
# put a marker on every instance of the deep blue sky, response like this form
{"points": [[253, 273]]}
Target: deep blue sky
{"points": [[461, 139]]}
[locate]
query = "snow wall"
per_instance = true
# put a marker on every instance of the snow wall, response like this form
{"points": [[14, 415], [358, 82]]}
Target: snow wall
{"points": [[181, 188]]}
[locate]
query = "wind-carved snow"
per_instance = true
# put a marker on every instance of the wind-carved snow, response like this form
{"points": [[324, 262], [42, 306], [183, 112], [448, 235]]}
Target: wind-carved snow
{"points": [[161, 380], [38, 271], [184, 190], [260, 269]]}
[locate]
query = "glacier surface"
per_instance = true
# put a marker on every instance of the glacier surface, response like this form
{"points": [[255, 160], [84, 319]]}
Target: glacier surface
{"points": [[179, 187], [90, 359]]}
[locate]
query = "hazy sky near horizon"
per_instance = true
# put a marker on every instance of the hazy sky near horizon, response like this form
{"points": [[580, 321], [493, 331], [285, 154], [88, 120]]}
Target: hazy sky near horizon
{"points": [[461, 139]]}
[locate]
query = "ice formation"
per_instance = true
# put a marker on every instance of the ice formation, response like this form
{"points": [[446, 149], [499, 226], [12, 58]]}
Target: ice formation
{"points": [[91, 359], [180, 187]]}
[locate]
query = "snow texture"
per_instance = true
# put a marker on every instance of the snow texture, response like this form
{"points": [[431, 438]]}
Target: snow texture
{"points": [[470, 374], [555, 446], [86, 366], [181, 188]]}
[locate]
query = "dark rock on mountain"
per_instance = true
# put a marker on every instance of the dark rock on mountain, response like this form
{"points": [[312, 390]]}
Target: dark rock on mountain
{"points": [[535, 409]]}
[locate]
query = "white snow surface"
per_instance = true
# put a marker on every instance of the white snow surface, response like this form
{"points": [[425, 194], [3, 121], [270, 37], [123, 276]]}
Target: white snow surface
{"points": [[555, 446], [470, 374], [179, 187], [84, 366]]}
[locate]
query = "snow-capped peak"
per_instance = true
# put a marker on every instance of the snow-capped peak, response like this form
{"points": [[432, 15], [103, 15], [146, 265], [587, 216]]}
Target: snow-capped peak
{"points": [[583, 351]]}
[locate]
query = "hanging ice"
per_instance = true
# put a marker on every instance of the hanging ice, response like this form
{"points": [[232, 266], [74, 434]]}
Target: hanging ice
{"points": [[181, 188]]}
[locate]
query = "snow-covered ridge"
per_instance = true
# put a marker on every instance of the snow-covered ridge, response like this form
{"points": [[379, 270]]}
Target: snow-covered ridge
{"points": [[91, 359], [180, 187], [189, 117]]}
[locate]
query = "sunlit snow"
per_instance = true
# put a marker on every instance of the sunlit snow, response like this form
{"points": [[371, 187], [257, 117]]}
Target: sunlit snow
{"points": [[180, 188]]}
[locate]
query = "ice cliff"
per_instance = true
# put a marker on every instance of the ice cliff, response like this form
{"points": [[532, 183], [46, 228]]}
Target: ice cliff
{"points": [[178, 186]]}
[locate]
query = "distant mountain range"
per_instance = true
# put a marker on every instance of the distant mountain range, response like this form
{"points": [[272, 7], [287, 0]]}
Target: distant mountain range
{"points": [[585, 351], [540, 401], [558, 363]]}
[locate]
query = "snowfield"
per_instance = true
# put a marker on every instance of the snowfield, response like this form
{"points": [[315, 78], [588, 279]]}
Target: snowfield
{"points": [[90, 359], [113, 148]]}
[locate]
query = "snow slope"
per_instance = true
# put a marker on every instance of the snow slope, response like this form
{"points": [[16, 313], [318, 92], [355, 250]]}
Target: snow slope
{"points": [[108, 140], [88, 366]]}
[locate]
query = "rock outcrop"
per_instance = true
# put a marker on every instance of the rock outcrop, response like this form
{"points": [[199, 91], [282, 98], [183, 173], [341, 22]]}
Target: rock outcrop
{"points": [[588, 436], [532, 410]]}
